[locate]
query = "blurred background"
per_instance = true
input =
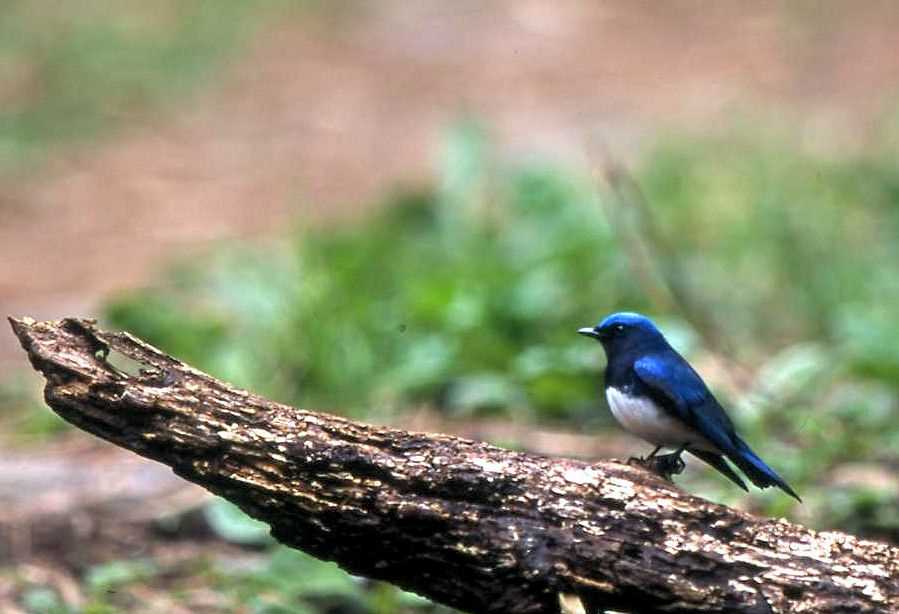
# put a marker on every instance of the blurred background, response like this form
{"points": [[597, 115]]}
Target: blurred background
{"points": [[401, 212]]}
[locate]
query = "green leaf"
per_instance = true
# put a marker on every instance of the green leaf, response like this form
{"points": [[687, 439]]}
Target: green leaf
{"points": [[232, 524], [116, 573]]}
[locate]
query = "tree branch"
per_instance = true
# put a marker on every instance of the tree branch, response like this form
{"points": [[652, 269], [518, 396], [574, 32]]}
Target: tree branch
{"points": [[465, 523]]}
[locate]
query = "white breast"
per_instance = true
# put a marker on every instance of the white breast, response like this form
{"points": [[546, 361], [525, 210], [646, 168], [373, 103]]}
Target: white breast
{"points": [[648, 421]]}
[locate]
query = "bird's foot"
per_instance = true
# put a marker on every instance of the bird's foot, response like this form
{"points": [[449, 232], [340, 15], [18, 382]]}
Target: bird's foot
{"points": [[667, 465]]}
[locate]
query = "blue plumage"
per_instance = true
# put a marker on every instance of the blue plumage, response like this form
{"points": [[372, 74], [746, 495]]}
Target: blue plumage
{"points": [[655, 393]]}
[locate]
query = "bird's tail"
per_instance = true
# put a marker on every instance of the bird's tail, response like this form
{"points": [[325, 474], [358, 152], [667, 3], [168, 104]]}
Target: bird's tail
{"points": [[717, 461], [756, 470]]}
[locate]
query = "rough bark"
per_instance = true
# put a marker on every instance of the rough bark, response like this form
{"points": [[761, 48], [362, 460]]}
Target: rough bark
{"points": [[462, 522]]}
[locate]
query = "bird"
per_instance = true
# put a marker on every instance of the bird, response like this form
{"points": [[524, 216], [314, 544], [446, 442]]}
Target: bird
{"points": [[654, 393]]}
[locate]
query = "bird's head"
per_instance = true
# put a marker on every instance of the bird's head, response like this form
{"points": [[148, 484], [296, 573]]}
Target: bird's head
{"points": [[621, 331]]}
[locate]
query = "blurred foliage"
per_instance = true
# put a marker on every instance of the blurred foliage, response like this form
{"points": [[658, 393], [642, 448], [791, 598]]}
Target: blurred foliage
{"points": [[117, 573], [281, 581], [466, 298], [292, 582], [71, 70], [232, 525], [288, 581], [24, 418], [794, 258]]}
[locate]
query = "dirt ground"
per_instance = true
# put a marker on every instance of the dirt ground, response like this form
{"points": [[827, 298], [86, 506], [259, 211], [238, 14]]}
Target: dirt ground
{"points": [[321, 115]]}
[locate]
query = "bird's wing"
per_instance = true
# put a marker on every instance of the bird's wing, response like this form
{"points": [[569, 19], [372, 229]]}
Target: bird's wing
{"points": [[678, 389]]}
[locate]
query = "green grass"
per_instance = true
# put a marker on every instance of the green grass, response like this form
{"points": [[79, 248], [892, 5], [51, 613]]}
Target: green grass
{"points": [[71, 71]]}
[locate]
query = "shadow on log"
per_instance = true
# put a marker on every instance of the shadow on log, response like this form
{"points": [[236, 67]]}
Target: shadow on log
{"points": [[464, 523]]}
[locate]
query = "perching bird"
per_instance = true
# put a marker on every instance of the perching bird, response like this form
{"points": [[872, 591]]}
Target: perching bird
{"points": [[655, 394]]}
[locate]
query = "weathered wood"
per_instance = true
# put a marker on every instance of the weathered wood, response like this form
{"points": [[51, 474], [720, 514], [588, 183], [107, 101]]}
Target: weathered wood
{"points": [[462, 522]]}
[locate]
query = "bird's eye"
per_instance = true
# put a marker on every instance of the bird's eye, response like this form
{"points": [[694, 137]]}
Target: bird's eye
{"points": [[619, 328]]}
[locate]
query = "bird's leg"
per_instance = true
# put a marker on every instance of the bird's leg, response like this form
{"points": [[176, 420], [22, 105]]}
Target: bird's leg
{"points": [[640, 460]]}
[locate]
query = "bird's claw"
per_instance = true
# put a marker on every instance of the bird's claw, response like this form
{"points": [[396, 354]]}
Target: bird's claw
{"points": [[665, 466], [668, 465]]}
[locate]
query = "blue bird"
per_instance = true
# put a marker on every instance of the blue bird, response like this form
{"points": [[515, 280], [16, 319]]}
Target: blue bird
{"points": [[655, 394]]}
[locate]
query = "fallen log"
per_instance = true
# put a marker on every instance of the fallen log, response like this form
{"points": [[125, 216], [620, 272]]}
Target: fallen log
{"points": [[464, 523]]}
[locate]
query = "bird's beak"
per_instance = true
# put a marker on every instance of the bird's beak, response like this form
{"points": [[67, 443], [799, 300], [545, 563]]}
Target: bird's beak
{"points": [[588, 332]]}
